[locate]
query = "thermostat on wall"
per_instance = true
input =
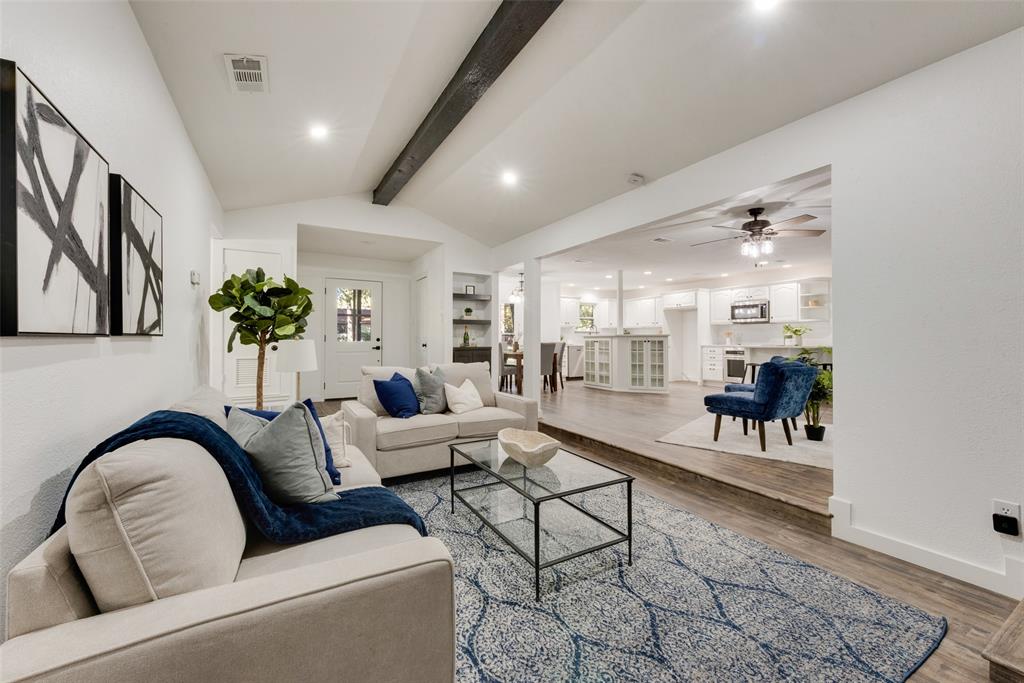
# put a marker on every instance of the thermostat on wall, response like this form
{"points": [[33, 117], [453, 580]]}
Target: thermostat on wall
{"points": [[193, 277]]}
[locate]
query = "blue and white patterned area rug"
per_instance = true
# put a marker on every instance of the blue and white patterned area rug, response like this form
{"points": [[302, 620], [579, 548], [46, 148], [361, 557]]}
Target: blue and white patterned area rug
{"points": [[700, 603]]}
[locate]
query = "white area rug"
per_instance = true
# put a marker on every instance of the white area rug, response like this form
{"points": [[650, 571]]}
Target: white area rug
{"points": [[701, 434]]}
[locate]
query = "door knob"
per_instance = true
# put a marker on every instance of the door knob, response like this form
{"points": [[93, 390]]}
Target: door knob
{"points": [[423, 345], [375, 348]]}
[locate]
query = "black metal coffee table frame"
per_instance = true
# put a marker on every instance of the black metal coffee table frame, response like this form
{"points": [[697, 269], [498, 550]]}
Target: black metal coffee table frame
{"points": [[623, 537]]}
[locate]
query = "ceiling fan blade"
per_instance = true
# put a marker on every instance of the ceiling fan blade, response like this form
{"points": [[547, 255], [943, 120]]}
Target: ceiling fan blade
{"points": [[728, 227], [792, 222], [798, 233], [724, 239]]}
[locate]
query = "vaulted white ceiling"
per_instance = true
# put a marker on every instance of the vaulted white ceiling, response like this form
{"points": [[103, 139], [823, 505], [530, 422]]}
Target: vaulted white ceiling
{"points": [[604, 89]]}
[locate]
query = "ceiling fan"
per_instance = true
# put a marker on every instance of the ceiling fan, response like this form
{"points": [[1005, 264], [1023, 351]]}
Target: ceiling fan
{"points": [[757, 234]]}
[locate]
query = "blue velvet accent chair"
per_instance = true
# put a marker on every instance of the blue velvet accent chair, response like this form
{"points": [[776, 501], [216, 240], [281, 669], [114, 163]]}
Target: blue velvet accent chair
{"points": [[780, 393]]}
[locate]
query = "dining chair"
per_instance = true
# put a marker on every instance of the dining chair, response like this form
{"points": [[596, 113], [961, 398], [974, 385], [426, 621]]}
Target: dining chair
{"points": [[547, 363], [508, 371], [559, 351]]}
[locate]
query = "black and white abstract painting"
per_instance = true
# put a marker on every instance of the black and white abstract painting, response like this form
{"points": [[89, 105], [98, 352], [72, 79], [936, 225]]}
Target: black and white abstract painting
{"points": [[136, 262], [55, 237]]}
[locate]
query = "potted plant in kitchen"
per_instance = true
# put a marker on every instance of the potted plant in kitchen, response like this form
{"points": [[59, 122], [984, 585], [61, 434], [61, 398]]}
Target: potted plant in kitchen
{"points": [[467, 312], [792, 335], [821, 393]]}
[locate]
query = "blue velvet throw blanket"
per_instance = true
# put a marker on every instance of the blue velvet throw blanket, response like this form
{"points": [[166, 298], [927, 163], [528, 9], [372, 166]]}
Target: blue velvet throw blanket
{"points": [[354, 509]]}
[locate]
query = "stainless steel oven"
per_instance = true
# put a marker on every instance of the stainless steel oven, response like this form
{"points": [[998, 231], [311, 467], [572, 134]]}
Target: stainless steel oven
{"points": [[750, 312], [736, 364]]}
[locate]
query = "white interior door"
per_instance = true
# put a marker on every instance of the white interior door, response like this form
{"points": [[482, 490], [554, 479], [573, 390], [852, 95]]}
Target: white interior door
{"points": [[240, 364], [352, 339], [420, 298]]}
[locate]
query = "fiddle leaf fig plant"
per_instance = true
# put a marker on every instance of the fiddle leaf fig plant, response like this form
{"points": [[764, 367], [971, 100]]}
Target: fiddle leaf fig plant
{"points": [[265, 311]]}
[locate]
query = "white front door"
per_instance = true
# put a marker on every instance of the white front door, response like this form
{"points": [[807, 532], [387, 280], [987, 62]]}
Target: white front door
{"points": [[352, 325], [240, 364], [421, 352]]}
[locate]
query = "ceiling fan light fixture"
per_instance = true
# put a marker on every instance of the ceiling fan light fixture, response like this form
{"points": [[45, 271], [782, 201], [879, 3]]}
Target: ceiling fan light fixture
{"points": [[766, 246], [745, 248]]}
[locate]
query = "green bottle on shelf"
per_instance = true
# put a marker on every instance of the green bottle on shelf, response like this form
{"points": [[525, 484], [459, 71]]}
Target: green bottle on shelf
{"points": [[465, 336]]}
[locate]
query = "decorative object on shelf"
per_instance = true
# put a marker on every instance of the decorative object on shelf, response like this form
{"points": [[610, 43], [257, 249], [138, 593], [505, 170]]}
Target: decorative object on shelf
{"points": [[468, 312], [792, 335], [821, 393], [516, 297], [728, 338], [530, 449], [470, 289], [53, 221], [298, 356], [265, 312], [465, 336], [136, 262]]}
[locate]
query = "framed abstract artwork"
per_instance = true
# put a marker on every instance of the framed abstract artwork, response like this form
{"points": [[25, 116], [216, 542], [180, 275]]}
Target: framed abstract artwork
{"points": [[136, 263], [54, 236]]}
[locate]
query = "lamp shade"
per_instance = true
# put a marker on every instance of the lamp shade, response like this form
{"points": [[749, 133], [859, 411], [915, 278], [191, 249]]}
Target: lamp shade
{"points": [[296, 355]]}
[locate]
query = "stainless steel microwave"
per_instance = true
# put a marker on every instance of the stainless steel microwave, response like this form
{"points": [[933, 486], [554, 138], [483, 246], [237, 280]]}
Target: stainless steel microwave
{"points": [[750, 312]]}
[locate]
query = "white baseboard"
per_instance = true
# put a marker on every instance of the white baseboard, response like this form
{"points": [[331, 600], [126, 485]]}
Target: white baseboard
{"points": [[1009, 582]]}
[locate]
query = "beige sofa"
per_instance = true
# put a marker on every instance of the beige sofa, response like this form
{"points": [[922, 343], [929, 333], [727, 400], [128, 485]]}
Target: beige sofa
{"points": [[396, 446], [376, 604]]}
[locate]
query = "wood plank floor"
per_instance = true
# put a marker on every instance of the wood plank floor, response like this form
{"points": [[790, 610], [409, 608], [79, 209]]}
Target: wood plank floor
{"points": [[633, 421], [974, 614]]}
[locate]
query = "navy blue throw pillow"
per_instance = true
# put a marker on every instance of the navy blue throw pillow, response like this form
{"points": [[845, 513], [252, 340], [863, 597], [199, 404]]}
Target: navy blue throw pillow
{"points": [[271, 414], [397, 396]]}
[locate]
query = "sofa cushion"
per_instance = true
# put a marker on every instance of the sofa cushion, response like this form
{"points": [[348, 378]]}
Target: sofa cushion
{"points": [[462, 399], [478, 373], [153, 519], [487, 421], [206, 402], [419, 430], [47, 588], [367, 394], [397, 396], [263, 557], [358, 473]]}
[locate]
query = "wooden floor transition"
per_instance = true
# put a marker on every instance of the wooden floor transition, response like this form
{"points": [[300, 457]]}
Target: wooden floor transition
{"points": [[630, 423]]}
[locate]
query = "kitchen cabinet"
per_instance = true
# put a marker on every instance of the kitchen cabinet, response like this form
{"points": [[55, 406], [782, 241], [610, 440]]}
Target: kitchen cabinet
{"points": [[721, 306], [750, 294], [597, 362], [646, 363], [713, 364], [639, 313], [679, 299], [570, 312], [605, 314], [784, 303]]}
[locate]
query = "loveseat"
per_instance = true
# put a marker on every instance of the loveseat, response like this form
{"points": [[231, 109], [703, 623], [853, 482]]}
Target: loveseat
{"points": [[375, 604], [397, 446]]}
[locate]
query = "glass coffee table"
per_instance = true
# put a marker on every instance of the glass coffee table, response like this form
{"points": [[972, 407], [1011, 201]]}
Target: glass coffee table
{"points": [[511, 505]]}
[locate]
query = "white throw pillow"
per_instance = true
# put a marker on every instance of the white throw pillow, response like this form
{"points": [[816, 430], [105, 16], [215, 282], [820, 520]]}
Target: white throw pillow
{"points": [[463, 399], [336, 431], [206, 402]]}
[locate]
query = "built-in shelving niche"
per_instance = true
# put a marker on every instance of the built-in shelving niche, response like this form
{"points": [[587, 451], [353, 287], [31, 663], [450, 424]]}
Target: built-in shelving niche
{"points": [[478, 323]]}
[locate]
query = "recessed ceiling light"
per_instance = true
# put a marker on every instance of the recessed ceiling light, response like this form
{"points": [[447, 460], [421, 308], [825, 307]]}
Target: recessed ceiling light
{"points": [[597, 289], [571, 284], [318, 131], [509, 178], [668, 279], [640, 287], [608, 277], [725, 274], [787, 265], [765, 5], [647, 272]]}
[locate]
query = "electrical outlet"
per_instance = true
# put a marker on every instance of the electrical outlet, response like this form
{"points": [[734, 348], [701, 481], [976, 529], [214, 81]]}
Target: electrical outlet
{"points": [[1006, 509]]}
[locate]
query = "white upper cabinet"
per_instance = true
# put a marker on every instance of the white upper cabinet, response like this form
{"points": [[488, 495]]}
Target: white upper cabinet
{"points": [[605, 314], [721, 306], [750, 294], [679, 299], [639, 313], [570, 312], [784, 303]]}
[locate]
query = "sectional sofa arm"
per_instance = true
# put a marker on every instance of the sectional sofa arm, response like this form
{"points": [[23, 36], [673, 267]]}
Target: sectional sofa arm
{"points": [[527, 407], [383, 615], [363, 423]]}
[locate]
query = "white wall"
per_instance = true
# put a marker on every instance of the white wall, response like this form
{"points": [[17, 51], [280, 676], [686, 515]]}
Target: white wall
{"points": [[396, 325], [928, 297], [59, 396]]}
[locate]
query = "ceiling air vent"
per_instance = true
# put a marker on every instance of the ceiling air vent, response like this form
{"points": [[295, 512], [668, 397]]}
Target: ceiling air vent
{"points": [[662, 240], [247, 73]]}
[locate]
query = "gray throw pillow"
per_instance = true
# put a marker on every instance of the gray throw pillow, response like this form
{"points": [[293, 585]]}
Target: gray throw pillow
{"points": [[287, 452], [430, 391]]}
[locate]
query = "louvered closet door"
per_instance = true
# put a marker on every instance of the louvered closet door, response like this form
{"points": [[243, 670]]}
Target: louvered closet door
{"points": [[240, 365]]}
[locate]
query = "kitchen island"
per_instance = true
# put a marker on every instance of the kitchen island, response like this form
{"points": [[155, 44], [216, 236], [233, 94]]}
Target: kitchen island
{"points": [[626, 362]]}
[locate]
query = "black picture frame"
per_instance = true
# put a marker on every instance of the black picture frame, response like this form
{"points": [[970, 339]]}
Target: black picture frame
{"points": [[470, 289], [25, 214], [129, 250]]}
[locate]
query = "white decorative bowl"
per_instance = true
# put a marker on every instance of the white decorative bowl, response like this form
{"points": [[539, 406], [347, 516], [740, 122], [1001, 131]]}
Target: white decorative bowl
{"points": [[530, 449]]}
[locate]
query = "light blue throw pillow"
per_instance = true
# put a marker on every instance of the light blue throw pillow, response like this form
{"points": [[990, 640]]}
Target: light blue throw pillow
{"points": [[287, 453]]}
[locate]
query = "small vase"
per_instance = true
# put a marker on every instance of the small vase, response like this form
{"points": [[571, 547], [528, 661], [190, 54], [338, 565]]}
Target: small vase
{"points": [[798, 341], [815, 433]]}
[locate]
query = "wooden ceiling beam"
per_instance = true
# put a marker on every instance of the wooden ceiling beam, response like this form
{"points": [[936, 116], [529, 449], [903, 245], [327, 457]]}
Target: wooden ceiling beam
{"points": [[513, 25]]}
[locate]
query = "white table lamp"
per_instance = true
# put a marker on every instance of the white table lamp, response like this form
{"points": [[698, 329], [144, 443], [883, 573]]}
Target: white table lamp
{"points": [[296, 355]]}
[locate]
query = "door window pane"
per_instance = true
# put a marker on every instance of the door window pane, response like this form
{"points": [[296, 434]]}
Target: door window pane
{"points": [[355, 315]]}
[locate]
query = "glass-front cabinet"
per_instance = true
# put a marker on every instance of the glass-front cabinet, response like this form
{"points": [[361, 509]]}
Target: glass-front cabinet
{"points": [[597, 362], [647, 363], [626, 363]]}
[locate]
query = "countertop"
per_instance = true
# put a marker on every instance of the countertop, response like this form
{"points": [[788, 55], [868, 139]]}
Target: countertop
{"points": [[764, 346], [627, 336]]}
